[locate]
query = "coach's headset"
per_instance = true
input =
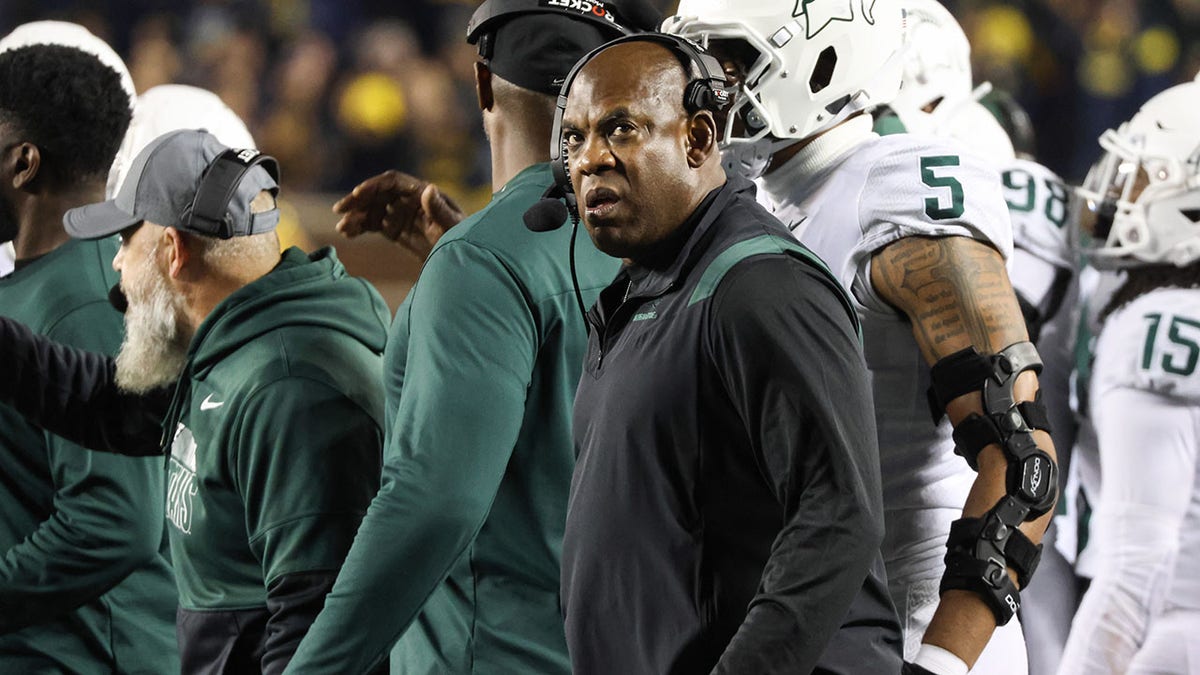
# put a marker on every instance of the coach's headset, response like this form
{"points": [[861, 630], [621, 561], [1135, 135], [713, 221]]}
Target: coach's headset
{"points": [[218, 185], [710, 91], [207, 212]]}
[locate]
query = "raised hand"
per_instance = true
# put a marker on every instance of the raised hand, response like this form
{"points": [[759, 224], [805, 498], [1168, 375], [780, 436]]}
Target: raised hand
{"points": [[411, 212]]}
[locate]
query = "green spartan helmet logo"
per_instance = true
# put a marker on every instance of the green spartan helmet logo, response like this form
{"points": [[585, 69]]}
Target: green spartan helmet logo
{"points": [[820, 13]]}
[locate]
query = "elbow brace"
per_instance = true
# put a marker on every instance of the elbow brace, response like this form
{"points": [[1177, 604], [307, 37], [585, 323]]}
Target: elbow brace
{"points": [[980, 549]]}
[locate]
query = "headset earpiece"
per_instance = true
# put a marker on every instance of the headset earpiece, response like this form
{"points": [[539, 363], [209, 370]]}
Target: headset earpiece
{"points": [[709, 92], [558, 145]]}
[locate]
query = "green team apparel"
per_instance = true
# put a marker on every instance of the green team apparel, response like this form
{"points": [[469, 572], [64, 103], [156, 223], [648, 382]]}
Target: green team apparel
{"points": [[85, 582], [275, 437], [459, 554]]}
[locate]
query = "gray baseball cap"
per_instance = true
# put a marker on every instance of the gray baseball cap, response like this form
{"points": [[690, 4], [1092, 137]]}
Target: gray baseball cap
{"points": [[162, 184]]}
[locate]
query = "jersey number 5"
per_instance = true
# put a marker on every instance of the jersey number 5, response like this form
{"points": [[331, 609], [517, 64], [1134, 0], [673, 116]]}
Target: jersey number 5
{"points": [[933, 205], [1182, 351]]}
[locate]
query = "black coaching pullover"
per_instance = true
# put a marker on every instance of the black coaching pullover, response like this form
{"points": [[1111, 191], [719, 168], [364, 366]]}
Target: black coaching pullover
{"points": [[725, 509]]}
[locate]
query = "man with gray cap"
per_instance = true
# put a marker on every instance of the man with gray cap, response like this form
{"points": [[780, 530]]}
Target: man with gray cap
{"points": [[257, 373], [459, 556]]}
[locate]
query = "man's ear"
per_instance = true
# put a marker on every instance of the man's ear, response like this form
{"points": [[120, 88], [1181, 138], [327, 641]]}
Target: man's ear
{"points": [[22, 164], [173, 247], [701, 138], [483, 86]]}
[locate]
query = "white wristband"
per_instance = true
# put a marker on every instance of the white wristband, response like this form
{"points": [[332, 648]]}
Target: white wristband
{"points": [[939, 661]]}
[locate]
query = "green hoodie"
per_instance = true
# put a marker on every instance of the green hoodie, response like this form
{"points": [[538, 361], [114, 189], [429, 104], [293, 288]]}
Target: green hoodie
{"points": [[275, 434], [85, 585]]}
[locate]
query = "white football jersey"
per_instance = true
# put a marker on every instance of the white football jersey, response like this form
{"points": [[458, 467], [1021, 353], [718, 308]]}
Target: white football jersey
{"points": [[1144, 399], [1038, 204], [847, 195], [1152, 344]]}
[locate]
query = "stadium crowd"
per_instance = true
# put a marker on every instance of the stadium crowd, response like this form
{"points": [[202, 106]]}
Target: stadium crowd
{"points": [[750, 336]]}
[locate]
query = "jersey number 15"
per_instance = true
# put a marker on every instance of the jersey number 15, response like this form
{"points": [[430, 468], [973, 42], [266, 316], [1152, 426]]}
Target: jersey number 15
{"points": [[1179, 354]]}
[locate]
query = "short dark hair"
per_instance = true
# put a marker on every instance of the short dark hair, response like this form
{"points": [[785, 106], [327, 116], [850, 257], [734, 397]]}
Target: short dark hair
{"points": [[69, 104]]}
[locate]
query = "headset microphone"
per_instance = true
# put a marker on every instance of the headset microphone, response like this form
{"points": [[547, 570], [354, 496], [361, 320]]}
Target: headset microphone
{"points": [[116, 298], [550, 213], [547, 214]]}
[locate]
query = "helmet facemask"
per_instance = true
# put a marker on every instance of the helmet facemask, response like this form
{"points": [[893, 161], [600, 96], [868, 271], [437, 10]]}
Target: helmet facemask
{"points": [[746, 142], [1139, 208]]}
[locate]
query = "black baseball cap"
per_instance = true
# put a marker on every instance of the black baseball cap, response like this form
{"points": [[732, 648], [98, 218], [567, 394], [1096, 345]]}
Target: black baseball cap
{"points": [[534, 43]]}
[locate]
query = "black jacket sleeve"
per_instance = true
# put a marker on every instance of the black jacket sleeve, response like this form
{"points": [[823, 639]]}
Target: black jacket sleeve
{"points": [[73, 393], [293, 601], [791, 362]]}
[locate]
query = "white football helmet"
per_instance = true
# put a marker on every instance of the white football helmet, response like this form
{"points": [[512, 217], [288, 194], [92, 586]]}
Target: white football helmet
{"points": [[937, 68], [1145, 191], [978, 129], [815, 63], [170, 107]]}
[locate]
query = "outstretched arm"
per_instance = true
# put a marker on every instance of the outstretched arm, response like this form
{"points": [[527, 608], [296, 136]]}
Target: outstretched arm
{"points": [[73, 393], [957, 294]]}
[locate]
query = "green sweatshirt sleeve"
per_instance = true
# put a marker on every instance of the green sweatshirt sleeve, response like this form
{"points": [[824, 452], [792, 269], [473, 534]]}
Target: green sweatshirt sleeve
{"points": [[307, 466], [470, 352], [107, 517]]}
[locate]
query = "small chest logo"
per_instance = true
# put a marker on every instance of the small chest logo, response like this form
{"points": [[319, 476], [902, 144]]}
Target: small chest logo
{"points": [[181, 484], [648, 312]]}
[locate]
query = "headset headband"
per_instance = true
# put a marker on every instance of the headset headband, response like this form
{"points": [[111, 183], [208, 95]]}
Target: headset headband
{"points": [[710, 91], [219, 184]]}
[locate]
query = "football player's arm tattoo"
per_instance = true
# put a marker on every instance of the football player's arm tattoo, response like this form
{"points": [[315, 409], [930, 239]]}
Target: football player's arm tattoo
{"points": [[957, 294], [955, 291]]}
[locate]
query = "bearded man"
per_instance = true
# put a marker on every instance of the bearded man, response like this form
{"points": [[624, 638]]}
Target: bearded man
{"points": [[258, 373]]}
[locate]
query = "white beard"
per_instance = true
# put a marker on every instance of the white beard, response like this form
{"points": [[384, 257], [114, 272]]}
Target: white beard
{"points": [[155, 349]]}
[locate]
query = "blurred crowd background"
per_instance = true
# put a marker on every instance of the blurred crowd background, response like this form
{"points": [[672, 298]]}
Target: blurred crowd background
{"points": [[340, 90]]}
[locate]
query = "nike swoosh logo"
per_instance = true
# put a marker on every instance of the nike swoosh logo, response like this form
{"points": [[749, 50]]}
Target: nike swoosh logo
{"points": [[209, 404]]}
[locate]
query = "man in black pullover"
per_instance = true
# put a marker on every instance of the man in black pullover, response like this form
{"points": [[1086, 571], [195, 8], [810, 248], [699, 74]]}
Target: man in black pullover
{"points": [[725, 509]]}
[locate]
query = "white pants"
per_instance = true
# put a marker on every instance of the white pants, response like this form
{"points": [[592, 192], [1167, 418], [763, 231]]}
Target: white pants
{"points": [[1171, 647], [916, 603]]}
